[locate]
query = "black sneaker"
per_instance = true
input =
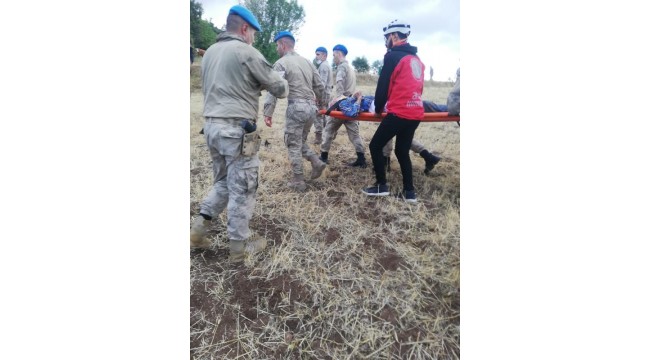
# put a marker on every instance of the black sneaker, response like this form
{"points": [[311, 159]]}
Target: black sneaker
{"points": [[408, 196], [376, 190]]}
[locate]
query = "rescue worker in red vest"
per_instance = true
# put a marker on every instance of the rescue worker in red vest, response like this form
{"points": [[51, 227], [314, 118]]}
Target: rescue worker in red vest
{"points": [[399, 90]]}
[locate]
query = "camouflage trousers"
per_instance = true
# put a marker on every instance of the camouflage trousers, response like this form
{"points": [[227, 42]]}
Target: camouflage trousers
{"points": [[319, 123], [416, 147], [332, 128], [235, 176], [321, 120], [300, 117]]}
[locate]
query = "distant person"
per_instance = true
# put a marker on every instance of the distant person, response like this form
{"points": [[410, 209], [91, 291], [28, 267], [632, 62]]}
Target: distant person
{"points": [[325, 72], [399, 90], [192, 51], [345, 85], [305, 86], [233, 75]]}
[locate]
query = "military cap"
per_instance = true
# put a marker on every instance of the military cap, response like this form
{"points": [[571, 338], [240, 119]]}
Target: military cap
{"points": [[341, 48], [246, 15], [282, 34]]}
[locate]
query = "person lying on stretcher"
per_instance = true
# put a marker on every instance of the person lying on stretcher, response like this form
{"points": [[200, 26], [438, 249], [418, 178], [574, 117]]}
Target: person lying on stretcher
{"points": [[353, 105]]}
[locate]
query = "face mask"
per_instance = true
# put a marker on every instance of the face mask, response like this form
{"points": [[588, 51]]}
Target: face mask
{"points": [[318, 61]]}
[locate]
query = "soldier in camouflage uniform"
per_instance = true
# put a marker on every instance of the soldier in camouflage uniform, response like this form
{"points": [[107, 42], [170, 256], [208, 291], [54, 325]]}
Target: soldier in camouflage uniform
{"points": [[325, 73], [305, 86], [346, 82], [359, 103], [233, 74], [417, 147], [453, 100], [453, 108]]}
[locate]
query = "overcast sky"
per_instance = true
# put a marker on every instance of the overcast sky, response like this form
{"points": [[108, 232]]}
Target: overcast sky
{"points": [[435, 28]]}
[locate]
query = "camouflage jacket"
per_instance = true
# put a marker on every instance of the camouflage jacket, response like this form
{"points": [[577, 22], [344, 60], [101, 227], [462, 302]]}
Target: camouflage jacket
{"points": [[233, 74], [325, 72], [453, 100], [302, 76], [346, 80]]}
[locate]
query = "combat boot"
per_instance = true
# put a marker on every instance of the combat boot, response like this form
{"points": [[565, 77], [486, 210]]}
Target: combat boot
{"points": [[430, 161], [318, 138], [361, 161], [198, 232], [323, 157], [237, 252], [297, 182], [317, 167], [255, 244]]}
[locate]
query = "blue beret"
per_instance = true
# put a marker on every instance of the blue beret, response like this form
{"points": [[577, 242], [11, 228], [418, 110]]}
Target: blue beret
{"points": [[282, 34], [341, 48], [246, 15], [321, 49]]}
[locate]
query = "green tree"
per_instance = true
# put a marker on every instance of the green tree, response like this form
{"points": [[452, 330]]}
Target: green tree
{"points": [[274, 16], [196, 11], [207, 35], [203, 33], [376, 66], [360, 64]]}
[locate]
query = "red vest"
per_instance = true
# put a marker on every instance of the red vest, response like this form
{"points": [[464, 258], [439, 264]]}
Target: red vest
{"points": [[405, 89]]}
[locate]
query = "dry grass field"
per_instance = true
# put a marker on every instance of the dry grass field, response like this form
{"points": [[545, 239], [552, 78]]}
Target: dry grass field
{"points": [[344, 276]]}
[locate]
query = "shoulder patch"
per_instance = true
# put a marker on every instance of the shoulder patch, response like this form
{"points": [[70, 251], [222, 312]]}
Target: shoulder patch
{"points": [[416, 68]]}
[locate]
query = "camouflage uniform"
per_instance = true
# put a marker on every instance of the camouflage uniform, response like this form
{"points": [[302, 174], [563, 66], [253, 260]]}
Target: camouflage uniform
{"points": [[233, 74], [416, 147], [304, 86], [325, 72], [453, 100], [345, 85], [235, 176]]}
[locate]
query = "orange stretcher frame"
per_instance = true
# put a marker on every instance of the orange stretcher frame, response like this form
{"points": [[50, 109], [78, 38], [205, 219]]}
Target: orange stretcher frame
{"points": [[368, 116]]}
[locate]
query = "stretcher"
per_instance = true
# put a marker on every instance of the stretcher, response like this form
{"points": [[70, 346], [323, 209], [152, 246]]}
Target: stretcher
{"points": [[368, 116]]}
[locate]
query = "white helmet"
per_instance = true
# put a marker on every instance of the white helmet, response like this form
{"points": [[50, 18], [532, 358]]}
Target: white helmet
{"points": [[397, 26]]}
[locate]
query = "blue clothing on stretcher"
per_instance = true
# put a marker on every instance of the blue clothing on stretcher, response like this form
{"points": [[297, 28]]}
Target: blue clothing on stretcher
{"points": [[430, 106], [350, 108]]}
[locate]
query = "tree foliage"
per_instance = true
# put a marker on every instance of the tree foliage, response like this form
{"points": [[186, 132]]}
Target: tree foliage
{"points": [[360, 64], [203, 33], [274, 16], [376, 66], [196, 11], [207, 35]]}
